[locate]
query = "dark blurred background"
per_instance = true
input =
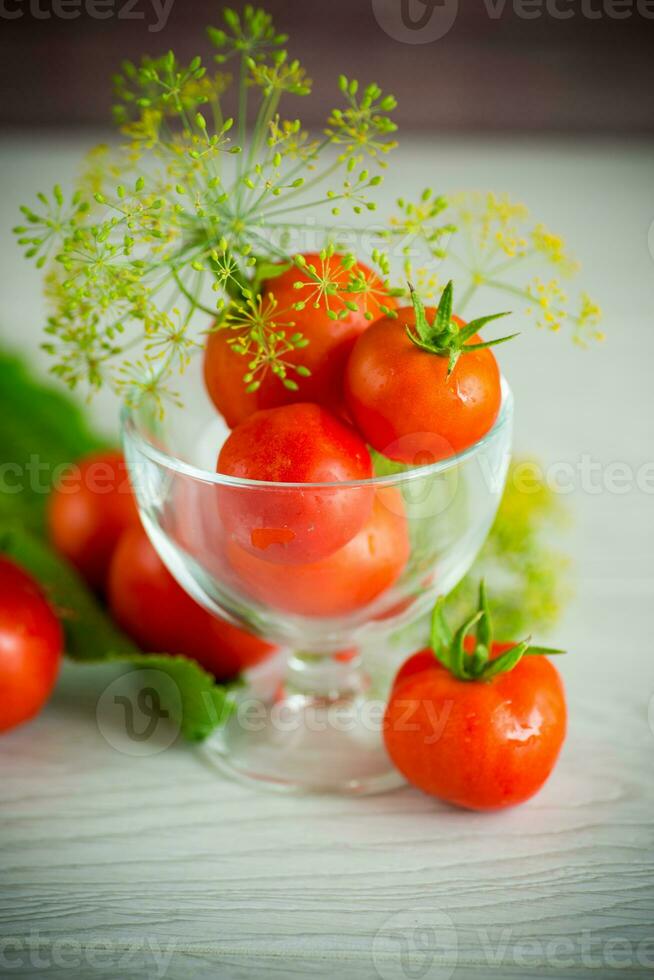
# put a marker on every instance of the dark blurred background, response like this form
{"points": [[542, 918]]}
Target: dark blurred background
{"points": [[583, 66]]}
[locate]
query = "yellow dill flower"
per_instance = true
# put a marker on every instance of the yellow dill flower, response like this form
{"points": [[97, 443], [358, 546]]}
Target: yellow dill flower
{"points": [[587, 321], [553, 248], [549, 303], [144, 130]]}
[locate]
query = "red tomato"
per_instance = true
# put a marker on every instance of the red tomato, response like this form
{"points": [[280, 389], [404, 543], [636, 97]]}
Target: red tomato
{"points": [[160, 617], [342, 583], [191, 518], [300, 443], [480, 744], [329, 340], [89, 508], [403, 402], [31, 644]]}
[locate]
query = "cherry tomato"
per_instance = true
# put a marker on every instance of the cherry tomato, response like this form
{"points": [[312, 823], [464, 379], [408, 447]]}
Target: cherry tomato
{"points": [[329, 340], [89, 508], [160, 617], [342, 583], [404, 402], [191, 518], [300, 443], [480, 744], [31, 644]]}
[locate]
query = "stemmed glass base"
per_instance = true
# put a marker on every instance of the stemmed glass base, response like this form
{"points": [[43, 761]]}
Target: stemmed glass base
{"points": [[320, 732]]}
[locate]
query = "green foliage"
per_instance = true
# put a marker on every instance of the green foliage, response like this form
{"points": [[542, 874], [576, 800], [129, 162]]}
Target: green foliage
{"points": [[503, 249], [157, 226], [42, 431], [444, 337], [529, 577], [168, 230], [91, 636], [474, 662]]}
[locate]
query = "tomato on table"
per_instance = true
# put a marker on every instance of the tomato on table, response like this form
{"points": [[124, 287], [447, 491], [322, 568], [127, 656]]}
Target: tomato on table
{"points": [[161, 617], [423, 385], [31, 645], [344, 582], [476, 723], [331, 318], [89, 508], [295, 444]]}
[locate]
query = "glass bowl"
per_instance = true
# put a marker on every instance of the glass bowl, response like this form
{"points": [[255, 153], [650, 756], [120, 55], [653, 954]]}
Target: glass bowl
{"points": [[320, 729]]}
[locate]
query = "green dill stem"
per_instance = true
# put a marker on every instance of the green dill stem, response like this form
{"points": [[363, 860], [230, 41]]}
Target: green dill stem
{"points": [[301, 207], [217, 115], [242, 118], [267, 110], [503, 266], [287, 177], [508, 288], [266, 244], [311, 183], [193, 300], [467, 296], [302, 163]]}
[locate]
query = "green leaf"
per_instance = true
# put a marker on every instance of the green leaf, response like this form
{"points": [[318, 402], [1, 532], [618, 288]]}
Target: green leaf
{"points": [[534, 651], [422, 325], [505, 662], [91, 636], [457, 651], [42, 428], [489, 343], [444, 314], [440, 635], [203, 705], [474, 326], [484, 626]]}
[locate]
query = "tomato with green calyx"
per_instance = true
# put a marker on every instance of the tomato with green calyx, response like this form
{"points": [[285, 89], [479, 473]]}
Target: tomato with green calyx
{"points": [[422, 386], [476, 723], [89, 508], [150, 606], [344, 582], [295, 444], [292, 342], [31, 645]]}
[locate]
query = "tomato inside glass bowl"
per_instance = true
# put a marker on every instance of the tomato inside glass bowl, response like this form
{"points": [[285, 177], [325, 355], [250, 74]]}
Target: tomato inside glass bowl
{"points": [[426, 523]]}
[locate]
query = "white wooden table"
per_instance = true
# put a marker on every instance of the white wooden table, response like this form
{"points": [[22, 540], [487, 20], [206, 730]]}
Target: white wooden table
{"points": [[122, 867]]}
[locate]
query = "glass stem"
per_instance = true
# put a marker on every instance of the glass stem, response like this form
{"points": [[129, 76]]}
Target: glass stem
{"points": [[331, 677]]}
